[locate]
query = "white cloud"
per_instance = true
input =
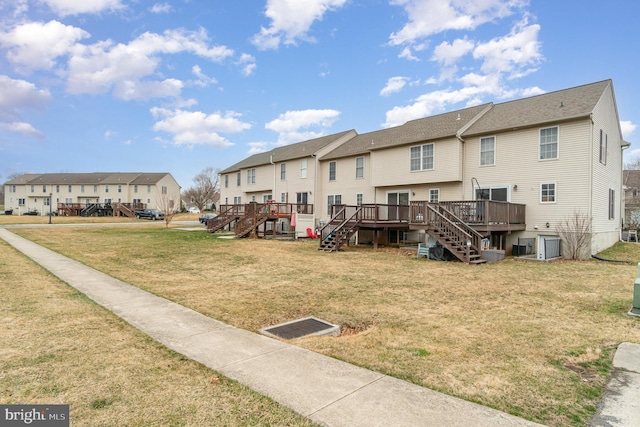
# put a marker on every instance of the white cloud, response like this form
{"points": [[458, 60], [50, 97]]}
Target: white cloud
{"points": [[37, 45], [161, 8], [247, 63], [394, 84], [257, 147], [21, 127], [16, 96], [449, 53], [513, 53], [292, 124], [197, 128], [76, 7], [428, 17], [203, 79], [291, 21], [102, 66], [627, 128]]}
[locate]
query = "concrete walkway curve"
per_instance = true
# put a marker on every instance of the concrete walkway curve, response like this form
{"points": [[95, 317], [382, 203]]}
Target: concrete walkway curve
{"points": [[327, 391]]}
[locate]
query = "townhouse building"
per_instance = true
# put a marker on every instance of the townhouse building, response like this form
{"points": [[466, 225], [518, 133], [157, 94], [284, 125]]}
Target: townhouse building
{"points": [[510, 174], [116, 193]]}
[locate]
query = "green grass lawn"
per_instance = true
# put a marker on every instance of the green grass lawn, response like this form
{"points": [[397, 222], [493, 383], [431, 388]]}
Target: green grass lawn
{"points": [[529, 338]]}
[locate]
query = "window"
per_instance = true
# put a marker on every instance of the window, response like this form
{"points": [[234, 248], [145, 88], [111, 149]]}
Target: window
{"points": [[57, 188], [226, 181], [422, 157], [12, 189], [82, 188], [549, 143], [603, 147], [333, 199], [548, 193], [148, 190], [106, 188], [251, 176], [164, 190], [135, 189], [303, 168], [253, 198], [46, 201], [44, 188], [332, 171], [612, 204], [70, 189], [33, 189], [21, 202], [238, 179], [283, 171], [95, 188], [488, 151], [359, 199], [266, 198], [301, 198], [434, 195], [119, 188], [359, 167], [68, 200], [237, 200], [283, 197]]}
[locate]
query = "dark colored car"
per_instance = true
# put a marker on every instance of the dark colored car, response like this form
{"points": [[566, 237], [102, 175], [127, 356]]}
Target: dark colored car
{"points": [[152, 214], [206, 217]]}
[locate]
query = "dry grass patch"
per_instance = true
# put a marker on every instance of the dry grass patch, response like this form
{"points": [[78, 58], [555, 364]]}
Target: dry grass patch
{"points": [[56, 346], [533, 339]]}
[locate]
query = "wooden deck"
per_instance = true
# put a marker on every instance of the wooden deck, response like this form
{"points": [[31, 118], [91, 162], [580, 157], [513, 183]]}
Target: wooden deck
{"points": [[484, 216]]}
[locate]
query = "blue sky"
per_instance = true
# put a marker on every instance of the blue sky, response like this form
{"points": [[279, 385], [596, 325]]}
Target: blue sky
{"points": [[178, 86]]}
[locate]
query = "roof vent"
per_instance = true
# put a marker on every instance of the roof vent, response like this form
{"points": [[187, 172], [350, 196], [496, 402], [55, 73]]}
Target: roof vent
{"points": [[458, 118], [561, 104]]}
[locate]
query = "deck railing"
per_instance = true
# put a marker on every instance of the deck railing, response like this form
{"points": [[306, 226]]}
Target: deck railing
{"points": [[475, 212], [373, 212], [278, 209]]}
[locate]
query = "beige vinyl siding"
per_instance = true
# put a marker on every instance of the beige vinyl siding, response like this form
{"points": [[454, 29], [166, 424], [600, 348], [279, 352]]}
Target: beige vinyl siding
{"points": [[346, 183], [393, 166], [449, 191], [605, 177], [517, 164]]}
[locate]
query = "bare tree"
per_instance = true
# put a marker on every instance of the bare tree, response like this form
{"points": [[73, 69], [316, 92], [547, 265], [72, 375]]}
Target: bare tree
{"points": [[575, 232], [168, 204], [206, 188]]}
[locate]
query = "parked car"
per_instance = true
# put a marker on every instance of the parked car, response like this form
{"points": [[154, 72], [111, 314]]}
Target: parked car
{"points": [[193, 210], [152, 214], [206, 217]]}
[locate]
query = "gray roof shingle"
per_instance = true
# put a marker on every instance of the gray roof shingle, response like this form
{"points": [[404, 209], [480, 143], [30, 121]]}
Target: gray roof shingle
{"points": [[287, 152], [91, 178], [425, 129], [550, 107]]}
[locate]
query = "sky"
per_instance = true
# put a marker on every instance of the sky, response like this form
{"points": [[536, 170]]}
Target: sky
{"points": [[182, 85]]}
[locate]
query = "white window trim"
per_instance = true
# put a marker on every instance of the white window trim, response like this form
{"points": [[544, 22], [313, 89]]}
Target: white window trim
{"points": [[304, 169], [494, 151], [357, 158], [555, 193], [335, 171], [557, 144], [421, 146], [438, 192]]}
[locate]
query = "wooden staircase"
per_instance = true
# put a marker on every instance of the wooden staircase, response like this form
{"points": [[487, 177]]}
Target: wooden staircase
{"points": [[454, 234], [225, 218], [338, 236], [249, 223], [89, 210]]}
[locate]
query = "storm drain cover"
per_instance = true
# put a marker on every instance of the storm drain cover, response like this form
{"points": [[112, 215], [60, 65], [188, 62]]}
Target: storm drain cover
{"points": [[302, 328]]}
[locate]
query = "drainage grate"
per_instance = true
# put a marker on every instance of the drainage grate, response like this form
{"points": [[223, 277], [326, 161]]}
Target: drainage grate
{"points": [[302, 328]]}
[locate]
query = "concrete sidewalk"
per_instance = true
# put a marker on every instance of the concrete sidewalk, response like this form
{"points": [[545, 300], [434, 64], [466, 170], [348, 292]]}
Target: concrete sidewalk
{"points": [[328, 391], [620, 406]]}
